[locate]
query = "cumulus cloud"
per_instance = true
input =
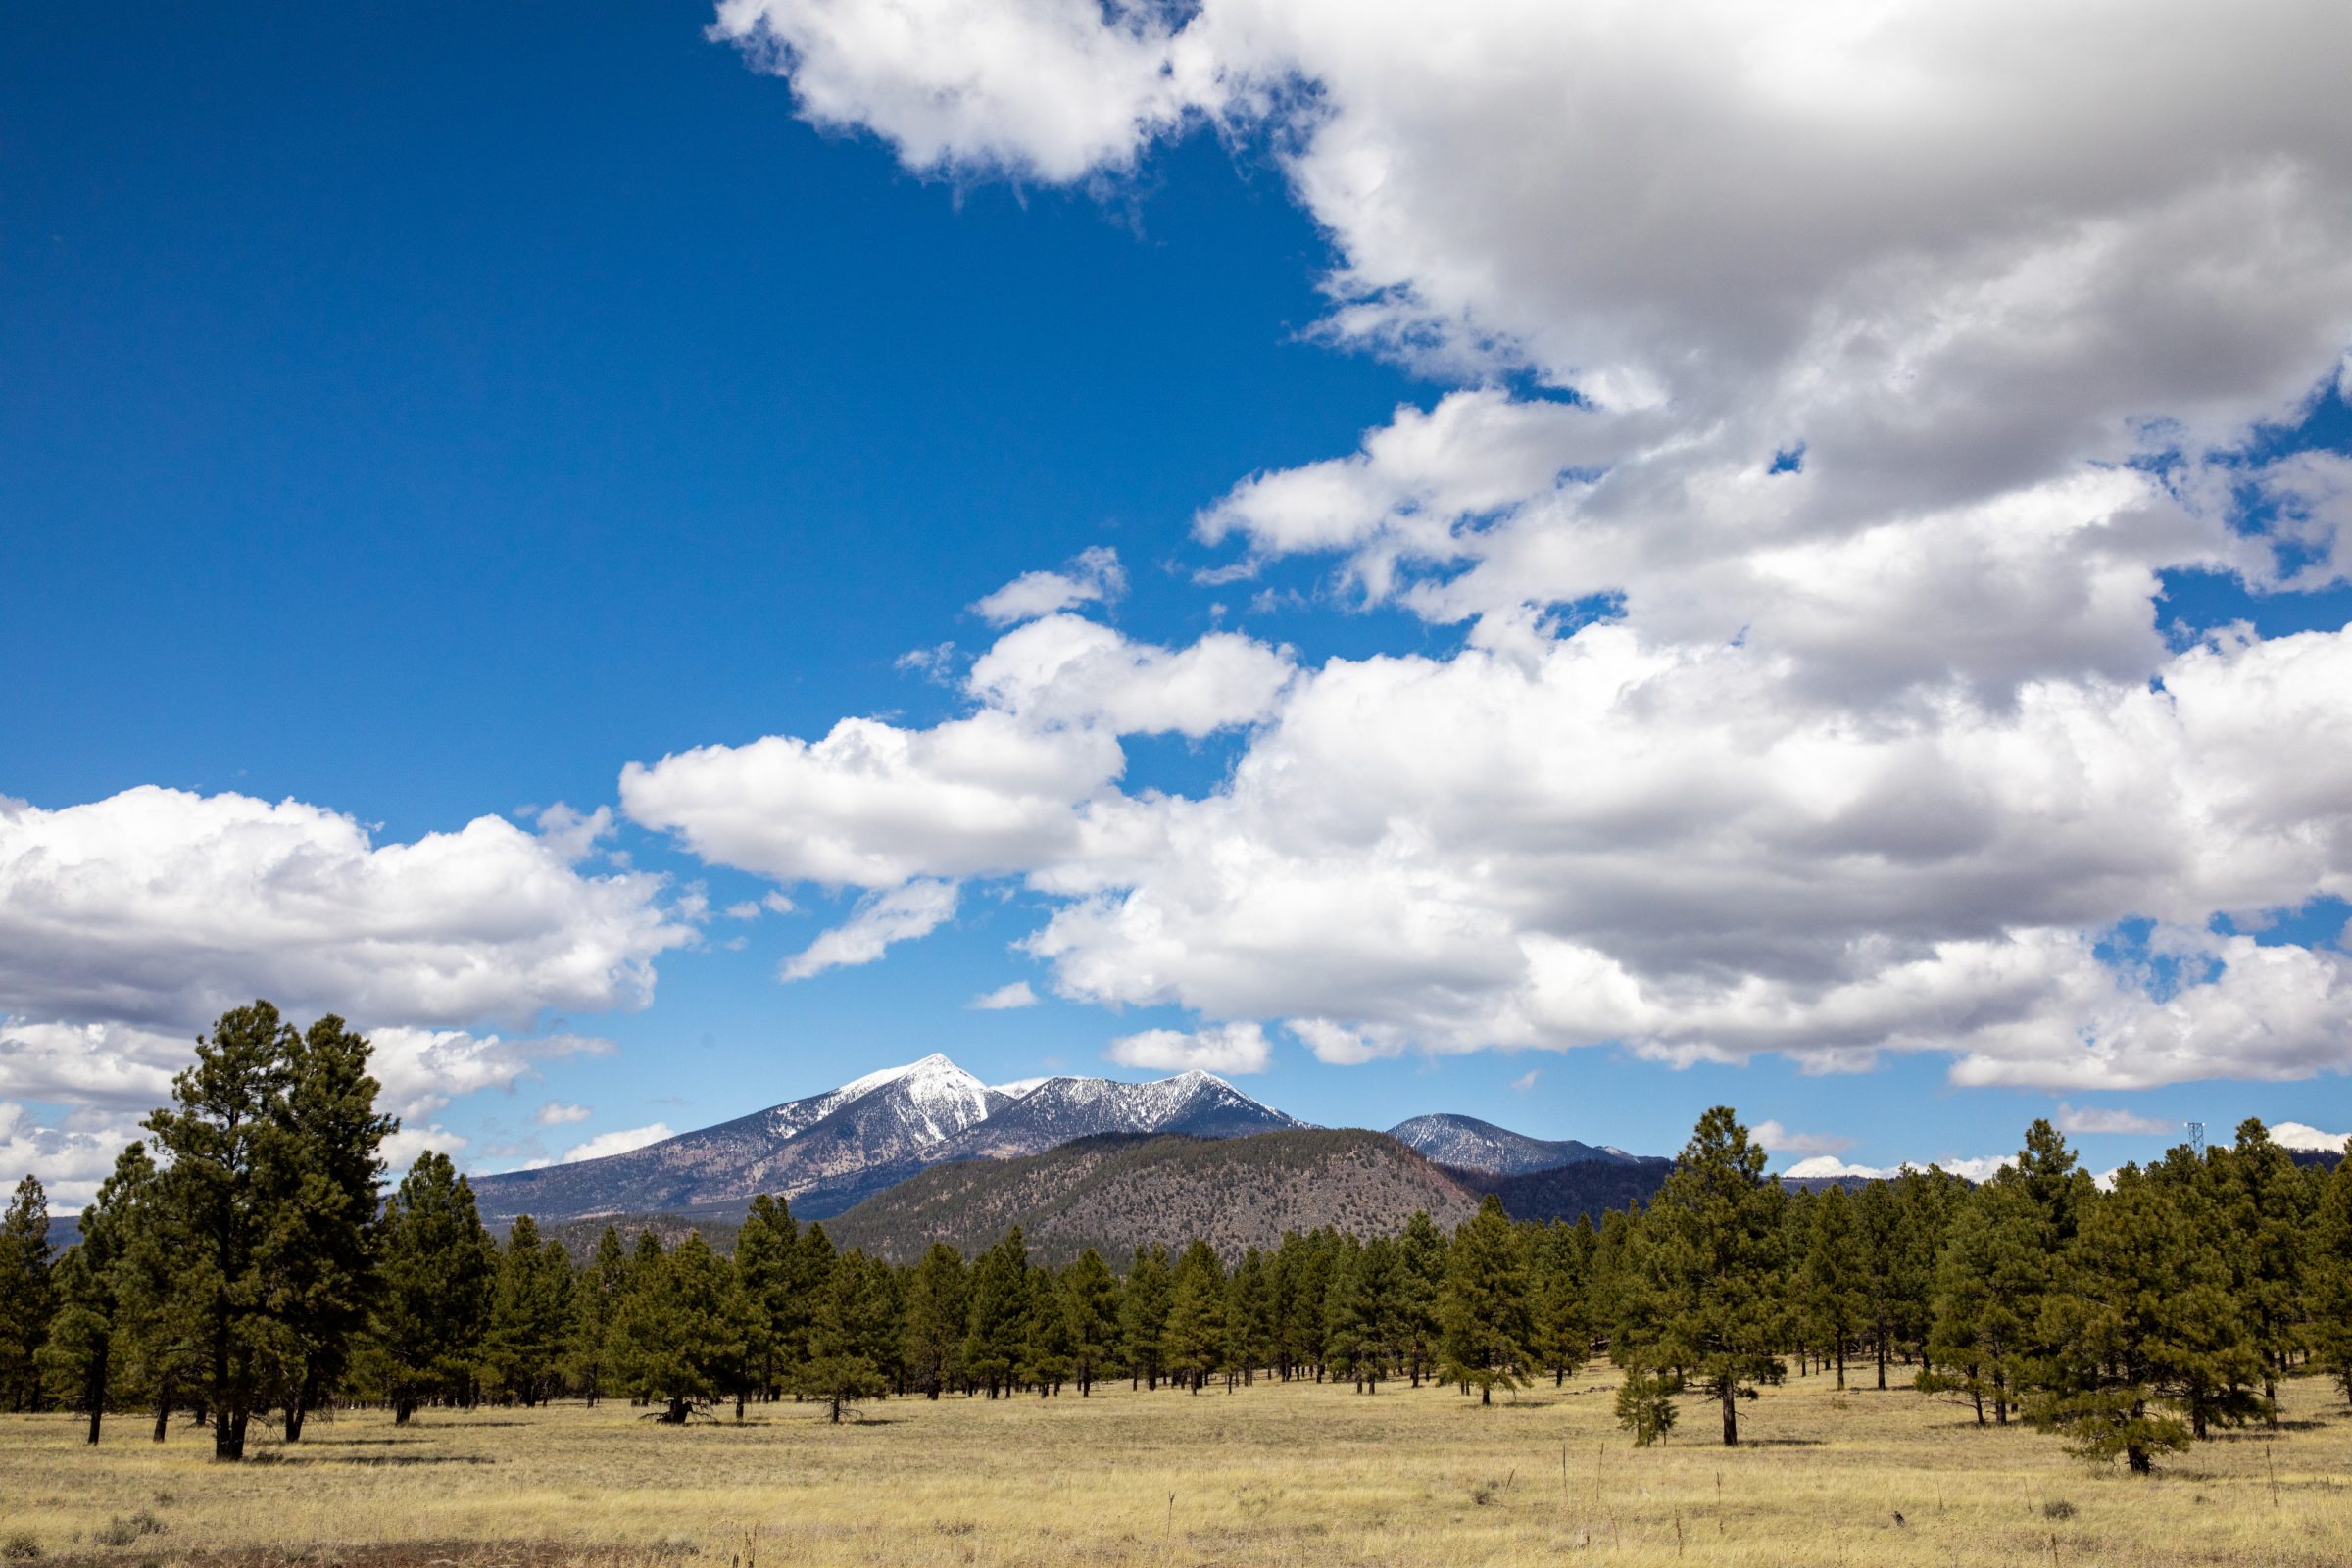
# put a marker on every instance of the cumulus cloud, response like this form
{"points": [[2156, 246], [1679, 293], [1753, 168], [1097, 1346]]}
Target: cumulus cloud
{"points": [[618, 1142], [2095, 1119], [1235, 1048], [1093, 576], [159, 910], [556, 1113], [2302, 1135], [900, 915], [70, 1159], [1967, 1169], [1812, 694], [1004, 998], [1780, 1140]]}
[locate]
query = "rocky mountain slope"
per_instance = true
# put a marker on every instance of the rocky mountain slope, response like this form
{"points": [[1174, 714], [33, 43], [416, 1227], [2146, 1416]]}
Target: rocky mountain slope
{"points": [[886, 1121], [1468, 1143], [830, 1150], [1113, 1191], [1061, 1110]]}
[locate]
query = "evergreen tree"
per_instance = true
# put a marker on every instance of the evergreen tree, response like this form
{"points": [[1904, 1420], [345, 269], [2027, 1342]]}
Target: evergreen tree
{"points": [[769, 1258], [997, 1328], [218, 1141], [2263, 1231], [1832, 1295], [851, 1334], [27, 1294], [1198, 1339], [1483, 1313], [1422, 1251], [1046, 1359], [596, 1296], [438, 1268], [1092, 1296], [1143, 1314], [79, 1357], [318, 1186], [1646, 1404], [681, 1335], [1989, 1285], [1712, 1257], [2331, 1270], [937, 1301], [1562, 1312], [1365, 1311], [2141, 1327], [530, 1312], [1257, 1327]]}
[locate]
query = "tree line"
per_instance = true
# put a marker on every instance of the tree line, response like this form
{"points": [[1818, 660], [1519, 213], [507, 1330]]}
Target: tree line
{"points": [[244, 1263]]}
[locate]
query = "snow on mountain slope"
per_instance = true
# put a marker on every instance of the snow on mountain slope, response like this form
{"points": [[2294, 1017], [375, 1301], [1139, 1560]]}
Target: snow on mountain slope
{"points": [[1061, 1110], [1468, 1143]]}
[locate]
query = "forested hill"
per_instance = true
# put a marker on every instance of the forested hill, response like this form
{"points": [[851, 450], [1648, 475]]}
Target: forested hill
{"points": [[1589, 1187], [1112, 1193]]}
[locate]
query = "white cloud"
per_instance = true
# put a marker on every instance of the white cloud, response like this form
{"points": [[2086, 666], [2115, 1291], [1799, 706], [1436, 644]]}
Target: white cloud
{"points": [[617, 1142], [1967, 1169], [160, 910], [89, 1063], [1874, 752], [1093, 576], [556, 1113], [1235, 1048], [900, 915], [401, 1150], [2094, 1119], [1525, 1083], [421, 1070], [1063, 670], [1005, 996], [70, 1160], [743, 910], [2303, 1136], [1779, 1140]]}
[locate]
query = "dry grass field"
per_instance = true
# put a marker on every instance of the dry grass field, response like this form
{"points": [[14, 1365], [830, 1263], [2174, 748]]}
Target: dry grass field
{"points": [[1273, 1474]]}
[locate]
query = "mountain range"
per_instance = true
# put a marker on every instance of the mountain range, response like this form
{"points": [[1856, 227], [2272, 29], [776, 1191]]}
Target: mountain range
{"points": [[828, 1151]]}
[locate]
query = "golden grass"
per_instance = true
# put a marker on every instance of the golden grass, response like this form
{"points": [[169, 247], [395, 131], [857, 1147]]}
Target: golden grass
{"points": [[1294, 1475]]}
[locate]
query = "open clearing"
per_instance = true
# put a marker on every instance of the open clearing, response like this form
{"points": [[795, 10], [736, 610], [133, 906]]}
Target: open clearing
{"points": [[1274, 1475]]}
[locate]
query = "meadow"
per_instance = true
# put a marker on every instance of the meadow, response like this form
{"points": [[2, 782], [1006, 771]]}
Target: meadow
{"points": [[1276, 1473]]}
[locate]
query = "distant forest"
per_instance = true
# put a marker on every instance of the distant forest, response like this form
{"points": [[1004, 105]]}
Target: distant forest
{"points": [[243, 1265]]}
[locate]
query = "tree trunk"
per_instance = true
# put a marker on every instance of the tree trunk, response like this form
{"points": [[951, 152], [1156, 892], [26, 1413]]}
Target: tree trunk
{"points": [[403, 1405], [1978, 1396], [294, 1415], [739, 1406], [1882, 1362], [228, 1435], [163, 1410], [1731, 1414], [1842, 1363], [94, 1391], [835, 1417]]}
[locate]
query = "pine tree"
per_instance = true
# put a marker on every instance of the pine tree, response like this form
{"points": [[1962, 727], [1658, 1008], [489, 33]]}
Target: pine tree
{"points": [[79, 1357], [216, 1145], [1483, 1309], [596, 1298], [1712, 1254], [530, 1311], [996, 1329], [320, 1187], [1143, 1314], [937, 1299], [1832, 1293], [770, 1260], [1646, 1404], [681, 1337], [851, 1334], [1422, 1249], [2263, 1231], [1364, 1311], [1989, 1286], [1046, 1359], [1256, 1326], [27, 1294], [438, 1268], [1197, 1339], [1562, 1312], [2141, 1327], [2330, 1269], [1092, 1296]]}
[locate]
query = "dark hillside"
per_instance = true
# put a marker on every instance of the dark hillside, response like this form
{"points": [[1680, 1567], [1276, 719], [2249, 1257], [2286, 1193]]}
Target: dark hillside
{"points": [[1112, 1193]]}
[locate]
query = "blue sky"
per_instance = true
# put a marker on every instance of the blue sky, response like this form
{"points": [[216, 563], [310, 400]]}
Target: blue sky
{"points": [[424, 412]]}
